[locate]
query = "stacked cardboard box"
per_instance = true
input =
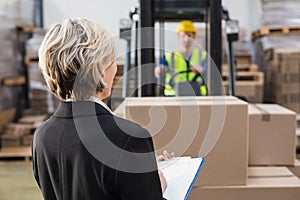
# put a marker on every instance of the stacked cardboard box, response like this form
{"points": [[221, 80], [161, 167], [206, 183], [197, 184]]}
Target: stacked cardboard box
{"points": [[283, 77], [6, 117], [33, 44], [279, 12], [248, 84], [118, 86], [249, 81], [243, 58], [298, 131], [197, 126], [120, 110], [295, 168], [21, 133], [263, 183], [272, 138], [9, 62], [117, 92], [35, 120], [13, 134], [241, 68], [35, 76], [223, 175], [242, 50], [42, 101]]}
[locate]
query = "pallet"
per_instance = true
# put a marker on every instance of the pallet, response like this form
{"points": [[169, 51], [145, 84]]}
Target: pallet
{"points": [[13, 81], [245, 76], [251, 90], [243, 58], [240, 68], [16, 152], [24, 28], [247, 84], [275, 30], [31, 58]]}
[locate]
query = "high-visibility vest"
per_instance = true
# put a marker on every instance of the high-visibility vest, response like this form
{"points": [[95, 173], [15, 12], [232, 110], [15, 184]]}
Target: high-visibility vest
{"points": [[177, 63]]}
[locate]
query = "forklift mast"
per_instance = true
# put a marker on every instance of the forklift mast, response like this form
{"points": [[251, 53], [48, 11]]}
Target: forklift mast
{"points": [[207, 11]]}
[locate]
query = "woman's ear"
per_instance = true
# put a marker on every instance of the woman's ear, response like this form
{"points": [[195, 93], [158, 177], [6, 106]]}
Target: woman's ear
{"points": [[102, 73]]}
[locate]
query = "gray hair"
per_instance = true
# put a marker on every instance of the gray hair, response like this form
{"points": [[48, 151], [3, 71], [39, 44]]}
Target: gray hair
{"points": [[70, 55]]}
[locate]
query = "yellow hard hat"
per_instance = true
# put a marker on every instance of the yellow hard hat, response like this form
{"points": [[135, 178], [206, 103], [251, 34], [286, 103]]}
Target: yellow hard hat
{"points": [[186, 26]]}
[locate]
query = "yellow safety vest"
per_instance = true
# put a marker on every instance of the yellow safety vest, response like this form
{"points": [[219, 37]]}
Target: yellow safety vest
{"points": [[177, 63]]}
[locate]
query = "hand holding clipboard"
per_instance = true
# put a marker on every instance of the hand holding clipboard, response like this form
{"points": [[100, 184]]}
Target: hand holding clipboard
{"points": [[181, 174]]}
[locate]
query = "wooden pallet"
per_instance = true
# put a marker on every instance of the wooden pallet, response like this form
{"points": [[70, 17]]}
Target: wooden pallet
{"points": [[24, 28], [31, 58], [245, 76], [13, 81], [244, 68], [243, 58], [16, 152], [275, 30]]}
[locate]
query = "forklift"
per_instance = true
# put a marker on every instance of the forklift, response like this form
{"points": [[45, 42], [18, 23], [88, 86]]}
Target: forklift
{"points": [[163, 11]]}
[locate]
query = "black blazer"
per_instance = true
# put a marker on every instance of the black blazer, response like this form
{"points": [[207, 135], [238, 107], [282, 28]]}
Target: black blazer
{"points": [[85, 152]]}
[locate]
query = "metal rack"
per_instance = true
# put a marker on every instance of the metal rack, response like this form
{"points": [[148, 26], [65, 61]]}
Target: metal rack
{"points": [[208, 11]]}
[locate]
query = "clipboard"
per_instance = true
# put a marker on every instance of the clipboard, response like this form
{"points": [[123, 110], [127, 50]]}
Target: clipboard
{"points": [[181, 174]]}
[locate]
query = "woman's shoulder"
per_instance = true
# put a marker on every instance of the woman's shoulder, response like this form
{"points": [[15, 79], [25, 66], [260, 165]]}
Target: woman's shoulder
{"points": [[131, 128]]}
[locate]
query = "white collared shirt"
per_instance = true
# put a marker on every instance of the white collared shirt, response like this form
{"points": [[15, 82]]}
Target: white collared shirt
{"points": [[96, 100]]}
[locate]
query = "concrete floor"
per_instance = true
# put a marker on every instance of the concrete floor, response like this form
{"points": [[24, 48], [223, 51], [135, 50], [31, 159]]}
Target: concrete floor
{"points": [[17, 182]]}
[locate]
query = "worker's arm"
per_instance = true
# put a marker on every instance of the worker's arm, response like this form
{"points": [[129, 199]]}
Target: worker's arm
{"points": [[198, 69], [161, 67]]}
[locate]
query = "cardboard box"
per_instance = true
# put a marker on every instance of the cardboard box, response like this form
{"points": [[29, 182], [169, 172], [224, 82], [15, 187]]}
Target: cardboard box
{"points": [[250, 67], [296, 168], [33, 119], [26, 140], [8, 140], [120, 110], [6, 117], [272, 138], [197, 126], [251, 90], [298, 138], [248, 84], [262, 184], [271, 171], [282, 78], [243, 58], [17, 129]]}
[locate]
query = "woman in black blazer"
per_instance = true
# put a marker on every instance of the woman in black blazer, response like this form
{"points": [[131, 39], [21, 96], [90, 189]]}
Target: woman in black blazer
{"points": [[83, 151]]}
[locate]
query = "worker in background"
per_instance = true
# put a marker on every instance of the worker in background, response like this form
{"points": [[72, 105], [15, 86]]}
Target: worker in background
{"points": [[186, 58]]}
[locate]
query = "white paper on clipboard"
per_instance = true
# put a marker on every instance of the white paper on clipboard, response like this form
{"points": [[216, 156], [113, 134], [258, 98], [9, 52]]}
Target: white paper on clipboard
{"points": [[181, 174]]}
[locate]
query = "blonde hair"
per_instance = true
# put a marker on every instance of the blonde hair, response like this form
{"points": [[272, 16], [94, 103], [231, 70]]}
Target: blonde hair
{"points": [[70, 55]]}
